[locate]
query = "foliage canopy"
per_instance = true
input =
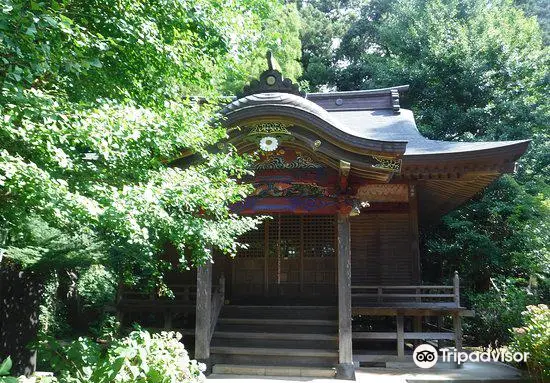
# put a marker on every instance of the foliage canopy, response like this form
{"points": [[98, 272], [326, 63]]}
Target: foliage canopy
{"points": [[98, 97], [478, 70]]}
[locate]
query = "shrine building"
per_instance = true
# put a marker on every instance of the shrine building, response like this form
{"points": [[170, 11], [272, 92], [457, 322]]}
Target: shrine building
{"points": [[334, 278]]}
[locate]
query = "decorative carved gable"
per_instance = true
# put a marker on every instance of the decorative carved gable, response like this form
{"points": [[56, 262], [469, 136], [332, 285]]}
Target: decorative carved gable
{"points": [[271, 81]]}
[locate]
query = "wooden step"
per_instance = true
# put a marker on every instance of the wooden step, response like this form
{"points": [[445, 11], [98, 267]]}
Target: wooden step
{"points": [[279, 336], [285, 322], [285, 336], [280, 312], [295, 371], [274, 343], [282, 307], [295, 352], [260, 327]]}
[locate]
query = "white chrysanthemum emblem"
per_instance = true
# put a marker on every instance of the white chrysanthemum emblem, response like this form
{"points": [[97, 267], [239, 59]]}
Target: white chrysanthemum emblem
{"points": [[268, 144]]}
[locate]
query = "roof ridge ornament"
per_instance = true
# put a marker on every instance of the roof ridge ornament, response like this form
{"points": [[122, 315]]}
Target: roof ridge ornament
{"points": [[395, 101], [271, 62], [271, 81]]}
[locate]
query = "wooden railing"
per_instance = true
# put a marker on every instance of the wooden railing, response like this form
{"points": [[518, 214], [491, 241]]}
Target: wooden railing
{"points": [[184, 300], [183, 294], [410, 301], [419, 293], [131, 301]]}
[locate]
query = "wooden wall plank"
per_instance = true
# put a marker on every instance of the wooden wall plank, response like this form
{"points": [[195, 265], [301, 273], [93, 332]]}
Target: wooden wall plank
{"points": [[381, 249]]}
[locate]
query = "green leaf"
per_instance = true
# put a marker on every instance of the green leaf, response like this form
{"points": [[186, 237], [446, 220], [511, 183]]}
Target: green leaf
{"points": [[66, 20], [31, 30], [8, 379], [35, 6], [95, 62], [5, 367], [107, 371], [50, 20]]}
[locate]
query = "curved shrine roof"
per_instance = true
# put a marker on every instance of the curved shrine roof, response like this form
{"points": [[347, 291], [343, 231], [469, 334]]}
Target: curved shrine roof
{"points": [[386, 125], [359, 127], [372, 115]]}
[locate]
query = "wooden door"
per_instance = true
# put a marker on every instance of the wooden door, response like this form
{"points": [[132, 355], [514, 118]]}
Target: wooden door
{"points": [[319, 256], [289, 256], [285, 255]]}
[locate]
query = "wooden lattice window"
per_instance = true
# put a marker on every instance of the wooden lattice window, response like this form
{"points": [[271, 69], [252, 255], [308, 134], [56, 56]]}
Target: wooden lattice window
{"points": [[285, 236], [290, 235], [254, 240], [319, 233], [288, 255]]}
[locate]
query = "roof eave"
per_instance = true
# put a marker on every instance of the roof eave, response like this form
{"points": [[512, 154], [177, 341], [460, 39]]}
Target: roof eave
{"points": [[512, 149]]}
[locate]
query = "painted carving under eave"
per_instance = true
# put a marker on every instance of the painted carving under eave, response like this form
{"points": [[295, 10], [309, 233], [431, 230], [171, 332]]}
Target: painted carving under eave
{"points": [[285, 159]]}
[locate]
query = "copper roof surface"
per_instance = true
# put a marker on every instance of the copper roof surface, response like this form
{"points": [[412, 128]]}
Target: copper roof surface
{"points": [[385, 125], [359, 116]]}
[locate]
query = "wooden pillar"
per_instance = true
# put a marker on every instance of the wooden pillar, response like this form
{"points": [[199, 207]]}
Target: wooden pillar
{"points": [[457, 327], [457, 320], [345, 369], [400, 337], [439, 329], [302, 255], [203, 313], [417, 320], [417, 324], [414, 233], [457, 324], [456, 289], [266, 258]]}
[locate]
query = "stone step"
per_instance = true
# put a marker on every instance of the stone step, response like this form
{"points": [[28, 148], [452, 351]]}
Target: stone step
{"points": [[264, 356], [274, 360], [295, 371]]}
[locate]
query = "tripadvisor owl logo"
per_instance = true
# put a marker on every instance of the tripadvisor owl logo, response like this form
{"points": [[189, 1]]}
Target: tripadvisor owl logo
{"points": [[425, 356]]}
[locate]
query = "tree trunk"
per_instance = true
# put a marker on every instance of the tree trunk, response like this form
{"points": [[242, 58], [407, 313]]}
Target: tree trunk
{"points": [[20, 295], [68, 296]]}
